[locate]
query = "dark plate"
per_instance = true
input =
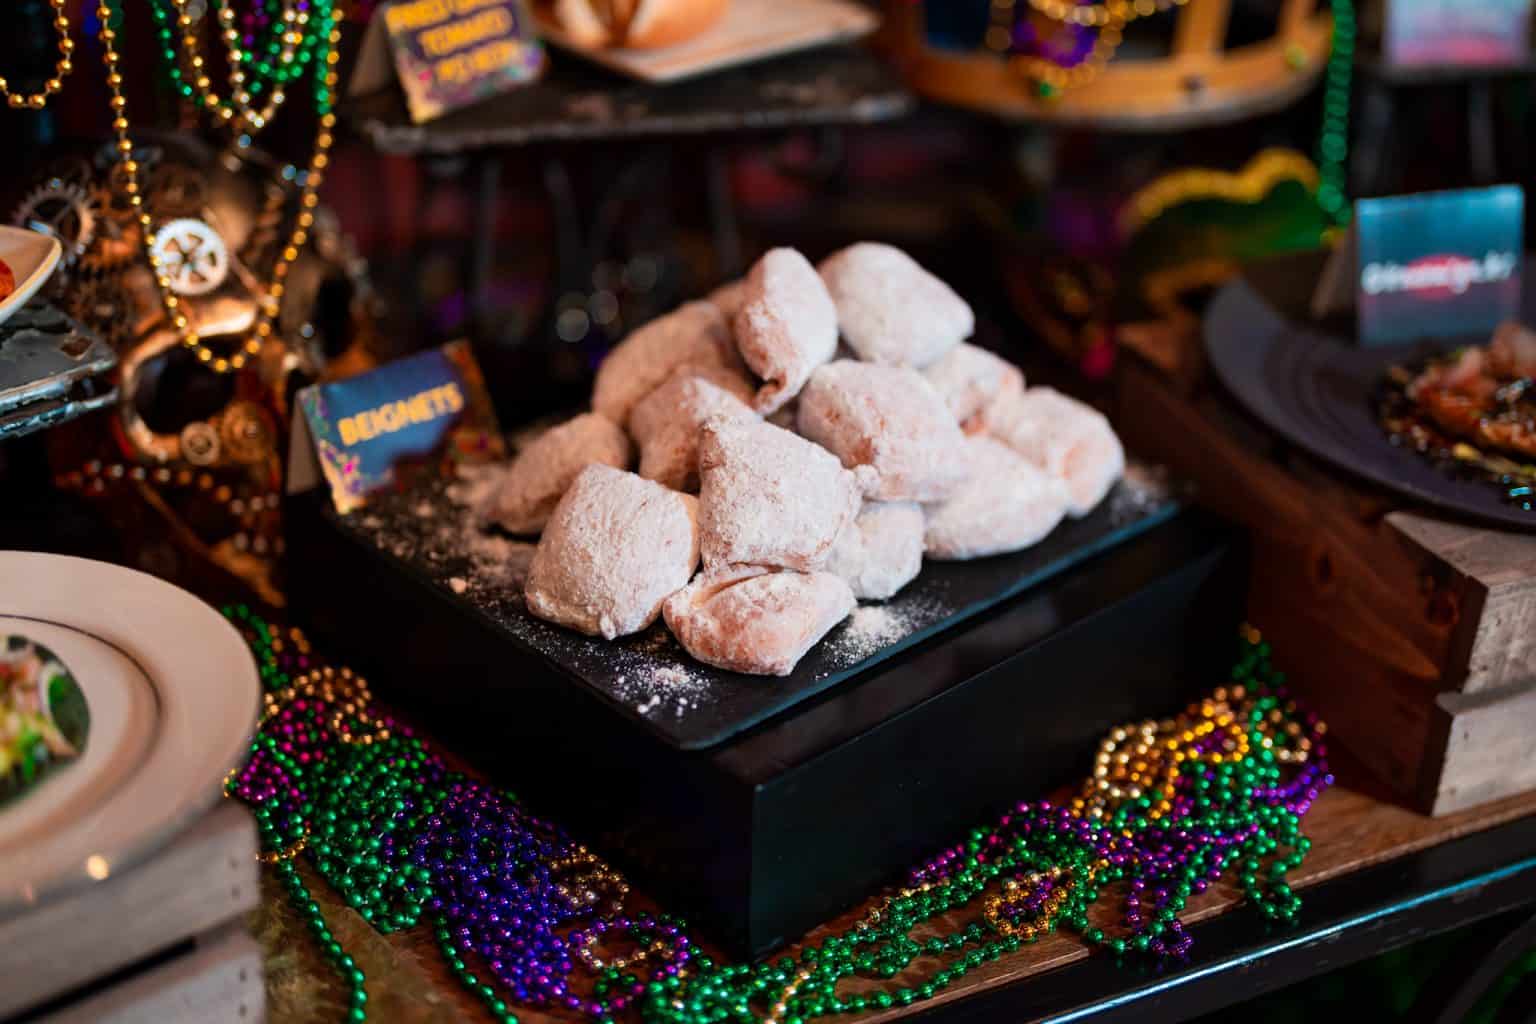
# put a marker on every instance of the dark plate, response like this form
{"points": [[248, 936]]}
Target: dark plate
{"points": [[650, 679], [1317, 388]]}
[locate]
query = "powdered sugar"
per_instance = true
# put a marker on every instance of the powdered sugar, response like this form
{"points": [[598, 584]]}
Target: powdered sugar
{"points": [[655, 689], [873, 627]]}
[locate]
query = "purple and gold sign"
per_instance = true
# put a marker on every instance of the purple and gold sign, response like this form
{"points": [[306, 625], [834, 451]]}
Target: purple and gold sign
{"points": [[449, 54]]}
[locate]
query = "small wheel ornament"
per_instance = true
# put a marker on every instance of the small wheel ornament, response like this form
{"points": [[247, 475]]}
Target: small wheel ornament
{"points": [[192, 256]]}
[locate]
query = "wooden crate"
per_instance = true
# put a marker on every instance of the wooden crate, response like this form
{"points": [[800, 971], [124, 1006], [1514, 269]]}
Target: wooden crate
{"points": [[219, 979], [1414, 636], [55, 955]]}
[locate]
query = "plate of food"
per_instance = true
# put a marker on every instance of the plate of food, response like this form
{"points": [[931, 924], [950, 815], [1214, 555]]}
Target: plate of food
{"points": [[669, 40], [1448, 423], [124, 701], [27, 260]]}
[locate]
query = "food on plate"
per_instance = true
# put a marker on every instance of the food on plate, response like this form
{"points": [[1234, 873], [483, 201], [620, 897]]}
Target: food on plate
{"points": [[1064, 437], [786, 326], [43, 715], [890, 419], [892, 311], [770, 498], [1006, 504], [970, 379], [694, 334], [543, 471], [1473, 408], [1483, 394], [7, 280], [881, 551], [616, 547], [635, 24], [669, 424], [755, 620]]}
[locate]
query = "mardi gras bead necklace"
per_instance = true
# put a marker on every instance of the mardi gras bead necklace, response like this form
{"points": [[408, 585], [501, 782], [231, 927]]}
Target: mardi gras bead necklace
{"points": [[326, 77], [1093, 34], [1333, 137], [263, 51], [518, 909], [66, 64], [525, 916], [1171, 807], [294, 32]]}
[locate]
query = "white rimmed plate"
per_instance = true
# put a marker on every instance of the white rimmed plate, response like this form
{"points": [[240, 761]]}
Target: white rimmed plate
{"points": [[173, 696], [32, 257]]}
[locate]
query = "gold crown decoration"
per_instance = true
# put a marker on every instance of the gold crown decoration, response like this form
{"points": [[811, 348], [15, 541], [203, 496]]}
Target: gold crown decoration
{"points": [[1199, 80]]}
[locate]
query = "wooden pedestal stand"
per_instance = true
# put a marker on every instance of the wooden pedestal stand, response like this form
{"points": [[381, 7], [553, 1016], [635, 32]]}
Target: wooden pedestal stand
{"points": [[1413, 636]]}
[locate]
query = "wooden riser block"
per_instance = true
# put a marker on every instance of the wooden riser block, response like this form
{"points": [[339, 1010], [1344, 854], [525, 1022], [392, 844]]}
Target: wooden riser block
{"points": [[218, 981], [1491, 575], [1414, 637]]}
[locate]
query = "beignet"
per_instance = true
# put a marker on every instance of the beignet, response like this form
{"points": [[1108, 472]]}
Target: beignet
{"points": [[770, 498], [970, 379], [892, 311], [669, 424], [890, 419], [728, 297], [754, 620], [786, 326], [881, 551], [616, 547], [1007, 504], [694, 334], [542, 472], [1065, 438]]}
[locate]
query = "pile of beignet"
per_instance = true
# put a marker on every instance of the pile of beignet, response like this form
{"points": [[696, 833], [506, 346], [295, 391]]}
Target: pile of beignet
{"points": [[776, 480]]}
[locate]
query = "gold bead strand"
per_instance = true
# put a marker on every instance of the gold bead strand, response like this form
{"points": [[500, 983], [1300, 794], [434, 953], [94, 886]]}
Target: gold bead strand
{"points": [[66, 64], [271, 302], [294, 25]]}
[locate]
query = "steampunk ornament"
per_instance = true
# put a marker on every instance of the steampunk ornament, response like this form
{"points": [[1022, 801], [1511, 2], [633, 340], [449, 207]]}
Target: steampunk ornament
{"points": [[192, 255]]}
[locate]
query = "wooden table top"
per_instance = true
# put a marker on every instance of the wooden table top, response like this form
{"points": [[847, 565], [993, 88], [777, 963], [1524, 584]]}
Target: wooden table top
{"points": [[1354, 827]]}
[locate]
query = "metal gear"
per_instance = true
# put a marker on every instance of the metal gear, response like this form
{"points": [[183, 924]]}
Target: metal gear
{"points": [[105, 307], [64, 210], [119, 238], [192, 255], [175, 192]]}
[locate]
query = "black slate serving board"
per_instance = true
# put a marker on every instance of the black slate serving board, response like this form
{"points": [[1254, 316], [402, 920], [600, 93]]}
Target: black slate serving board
{"points": [[1313, 385], [650, 679]]}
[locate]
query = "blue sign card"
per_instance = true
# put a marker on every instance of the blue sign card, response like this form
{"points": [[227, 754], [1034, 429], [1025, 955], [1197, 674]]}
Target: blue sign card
{"points": [[389, 427], [1438, 264]]}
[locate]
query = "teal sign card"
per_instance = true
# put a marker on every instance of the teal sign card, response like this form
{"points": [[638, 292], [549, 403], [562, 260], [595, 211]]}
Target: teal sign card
{"points": [[1438, 264]]}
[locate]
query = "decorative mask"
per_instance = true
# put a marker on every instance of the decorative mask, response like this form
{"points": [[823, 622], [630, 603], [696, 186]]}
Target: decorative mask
{"points": [[190, 462]]}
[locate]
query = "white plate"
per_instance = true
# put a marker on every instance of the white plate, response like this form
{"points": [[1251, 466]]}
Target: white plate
{"points": [[32, 256], [173, 696], [749, 30]]}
